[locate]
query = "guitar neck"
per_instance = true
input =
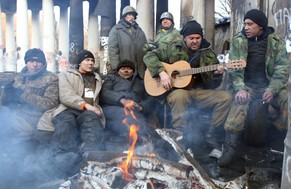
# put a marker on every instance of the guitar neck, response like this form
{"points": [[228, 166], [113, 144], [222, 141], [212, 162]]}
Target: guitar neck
{"points": [[199, 70]]}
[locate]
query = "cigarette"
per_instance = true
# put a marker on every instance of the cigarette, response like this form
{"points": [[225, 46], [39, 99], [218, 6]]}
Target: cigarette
{"points": [[277, 152]]}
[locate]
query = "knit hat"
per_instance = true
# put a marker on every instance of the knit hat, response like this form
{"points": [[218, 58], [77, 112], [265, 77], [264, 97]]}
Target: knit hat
{"points": [[125, 63], [82, 55], [257, 17], [34, 55], [191, 27]]}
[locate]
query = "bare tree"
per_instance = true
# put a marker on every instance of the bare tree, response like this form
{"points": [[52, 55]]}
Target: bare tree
{"points": [[222, 8]]}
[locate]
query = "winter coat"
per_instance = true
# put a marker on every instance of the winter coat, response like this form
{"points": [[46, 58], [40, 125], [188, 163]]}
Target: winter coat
{"points": [[71, 91], [115, 87], [127, 42], [277, 63], [29, 96], [176, 51]]}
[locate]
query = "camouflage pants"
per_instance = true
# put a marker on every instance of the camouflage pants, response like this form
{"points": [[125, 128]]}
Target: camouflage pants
{"points": [[179, 100], [238, 112]]}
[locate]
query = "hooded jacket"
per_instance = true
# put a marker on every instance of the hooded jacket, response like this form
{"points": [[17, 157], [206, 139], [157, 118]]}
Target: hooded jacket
{"points": [[177, 51], [277, 63]]}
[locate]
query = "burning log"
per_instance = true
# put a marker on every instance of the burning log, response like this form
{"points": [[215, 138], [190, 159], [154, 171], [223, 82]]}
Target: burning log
{"points": [[101, 171], [145, 171], [198, 171]]}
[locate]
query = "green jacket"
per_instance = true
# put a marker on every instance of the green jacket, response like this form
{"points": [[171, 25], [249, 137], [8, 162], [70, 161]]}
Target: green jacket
{"points": [[176, 51], [166, 36], [277, 63]]}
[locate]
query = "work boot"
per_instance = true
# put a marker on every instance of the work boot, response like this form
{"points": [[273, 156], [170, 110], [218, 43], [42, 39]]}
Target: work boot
{"points": [[228, 153], [211, 138]]}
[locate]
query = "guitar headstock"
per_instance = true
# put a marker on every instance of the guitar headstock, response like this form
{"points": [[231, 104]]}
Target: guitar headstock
{"points": [[235, 64]]}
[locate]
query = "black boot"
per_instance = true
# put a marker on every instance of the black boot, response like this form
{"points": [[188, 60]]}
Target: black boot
{"points": [[211, 138], [228, 153]]}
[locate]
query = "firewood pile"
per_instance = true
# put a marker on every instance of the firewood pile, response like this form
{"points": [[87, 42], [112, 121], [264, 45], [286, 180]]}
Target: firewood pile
{"points": [[102, 170]]}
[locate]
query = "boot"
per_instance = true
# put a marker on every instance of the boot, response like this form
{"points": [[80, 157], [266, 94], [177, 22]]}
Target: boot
{"points": [[211, 138], [228, 153]]}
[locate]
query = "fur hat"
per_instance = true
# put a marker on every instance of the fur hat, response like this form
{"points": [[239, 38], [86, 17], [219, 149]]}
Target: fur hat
{"points": [[125, 63], [257, 17], [191, 27], [34, 55], [82, 55]]}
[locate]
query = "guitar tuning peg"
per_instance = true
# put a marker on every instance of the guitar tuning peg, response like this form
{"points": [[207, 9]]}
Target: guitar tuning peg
{"points": [[220, 58]]}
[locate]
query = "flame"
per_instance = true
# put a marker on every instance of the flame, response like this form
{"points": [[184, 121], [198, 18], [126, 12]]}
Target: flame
{"points": [[125, 165], [133, 138]]}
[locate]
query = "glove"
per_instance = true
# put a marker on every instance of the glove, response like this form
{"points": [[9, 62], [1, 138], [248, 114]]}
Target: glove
{"points": [[17, 93], [11, 94]]}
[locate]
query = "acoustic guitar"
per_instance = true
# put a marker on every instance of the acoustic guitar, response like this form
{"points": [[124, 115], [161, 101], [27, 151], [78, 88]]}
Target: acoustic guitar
{"points": [[181, 73]]}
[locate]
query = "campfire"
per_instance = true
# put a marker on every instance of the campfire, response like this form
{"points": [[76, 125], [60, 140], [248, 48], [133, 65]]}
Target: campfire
{"points": [[110, 170], [103, 170]]}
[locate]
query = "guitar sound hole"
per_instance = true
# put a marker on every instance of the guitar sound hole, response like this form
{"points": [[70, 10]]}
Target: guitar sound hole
{"points": [[175, 74]]}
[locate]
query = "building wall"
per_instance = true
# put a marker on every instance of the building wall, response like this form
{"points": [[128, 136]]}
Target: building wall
{"points": [[222, 38]]}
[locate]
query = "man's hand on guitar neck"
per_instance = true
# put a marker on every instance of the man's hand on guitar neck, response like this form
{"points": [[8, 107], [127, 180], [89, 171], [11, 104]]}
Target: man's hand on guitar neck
{"points": [[220, 70], [165, 80]]}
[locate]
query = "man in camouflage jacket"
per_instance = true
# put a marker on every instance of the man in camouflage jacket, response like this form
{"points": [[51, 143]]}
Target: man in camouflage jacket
{"points": [[196, 50], [265, 76], [33, 91], [167, 33]]}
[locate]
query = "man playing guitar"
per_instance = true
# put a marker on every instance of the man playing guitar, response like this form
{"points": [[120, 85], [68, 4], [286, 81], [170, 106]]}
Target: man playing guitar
{"points": [[194, 49]]}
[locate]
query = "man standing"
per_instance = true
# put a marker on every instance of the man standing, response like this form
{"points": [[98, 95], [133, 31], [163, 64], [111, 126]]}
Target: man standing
{"points": [[265, 77], [194, 49], [167, 33], [126, 41]]}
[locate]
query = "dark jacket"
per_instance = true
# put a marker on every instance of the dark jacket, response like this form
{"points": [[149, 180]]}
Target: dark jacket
{"points": [[115, 87]]}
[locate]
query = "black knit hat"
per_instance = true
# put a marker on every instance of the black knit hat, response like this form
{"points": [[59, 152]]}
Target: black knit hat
{"points": [[191, 27], [82, 55], [258, 17], [34, 55], [125, 63]]}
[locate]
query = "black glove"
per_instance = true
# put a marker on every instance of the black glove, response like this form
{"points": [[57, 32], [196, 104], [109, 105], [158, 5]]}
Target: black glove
{"points": [[11, 94], [17, 93]]}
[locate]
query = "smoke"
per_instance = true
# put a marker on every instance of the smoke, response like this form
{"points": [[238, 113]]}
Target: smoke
{"points": [[24, 161]]}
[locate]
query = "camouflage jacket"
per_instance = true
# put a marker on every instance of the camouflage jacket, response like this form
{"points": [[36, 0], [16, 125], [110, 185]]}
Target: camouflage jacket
{"points": [[40, 91], [166, 36], [176, 51], [276, 62]]}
